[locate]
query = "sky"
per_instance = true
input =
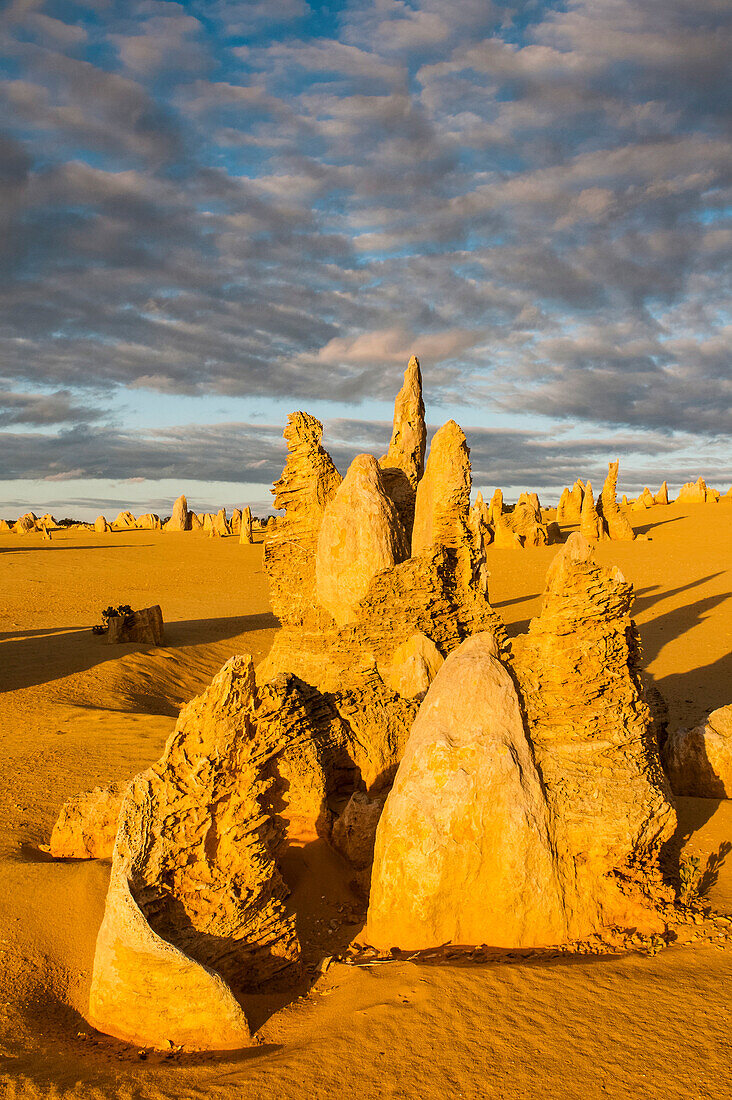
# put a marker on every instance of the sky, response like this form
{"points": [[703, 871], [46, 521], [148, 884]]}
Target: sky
{"points": [[215, 212]]}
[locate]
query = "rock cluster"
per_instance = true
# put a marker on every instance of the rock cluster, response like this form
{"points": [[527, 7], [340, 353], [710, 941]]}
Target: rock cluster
{"points": [[530, 805], [697, 492], [698, 761]]}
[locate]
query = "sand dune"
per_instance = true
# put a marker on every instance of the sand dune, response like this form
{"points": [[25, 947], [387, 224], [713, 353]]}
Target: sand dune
{"points": [[76, 712]]}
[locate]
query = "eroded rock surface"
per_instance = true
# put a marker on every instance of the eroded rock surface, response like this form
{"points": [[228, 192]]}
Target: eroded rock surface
{"points": [[144, 627], [443, 495], [360, 535], [591, 524], [180, 519], [245, 528], [698, 761], [617, 523], [403, 464], [87, 824]]}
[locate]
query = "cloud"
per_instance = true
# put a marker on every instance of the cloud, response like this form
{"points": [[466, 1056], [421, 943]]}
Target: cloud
{"points": [[40, 409]]}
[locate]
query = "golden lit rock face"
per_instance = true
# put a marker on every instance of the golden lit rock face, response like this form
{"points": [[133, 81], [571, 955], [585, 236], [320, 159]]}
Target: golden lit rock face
{"points": [[443, 495], [531, 822], [101, 526], [245, 527], [569, 510], [309, 481], [591, 525], [578, 673], [360, 535], [463, 851], [180, 519], [697, 492], [698, 761], [87, 824], [661, 496], [403, 464], [414, 665], [616, 522]]}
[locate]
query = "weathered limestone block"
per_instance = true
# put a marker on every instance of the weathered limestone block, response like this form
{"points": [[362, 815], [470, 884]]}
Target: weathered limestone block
{"points": [[180, 519], [101, 526], [661, 496], [196, 522], [591, 525], [413, 667], [481, 532], [495, 508], [697, 493], [309, 481], [221, 524], [616, 522], [144, 627], [354, 834], [578, 672], [403, 464], [245, 532], [644, 501], [4, 526], [698, 761], [87, 824], [463, 848], [25, 524], [148, 992], [443, 495], [235, 523], [194, 846], [149, 522], [125, 521], [361, 535], [570, 504], [208, 521], [505, 538]]}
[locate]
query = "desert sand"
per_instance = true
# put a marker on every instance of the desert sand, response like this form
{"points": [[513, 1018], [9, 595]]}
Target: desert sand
{"points": [[77, 713]]}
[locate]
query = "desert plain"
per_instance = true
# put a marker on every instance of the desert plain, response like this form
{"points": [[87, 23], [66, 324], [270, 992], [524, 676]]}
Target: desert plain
{"points": [[76, 713]]}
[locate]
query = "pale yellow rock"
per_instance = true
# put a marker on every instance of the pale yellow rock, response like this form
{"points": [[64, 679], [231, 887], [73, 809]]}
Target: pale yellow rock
{"points": [[25, 525], [505, 538], [360, 535], [4, 525], [661, 496], [147, 992], [616, 522], [149, 522], [443, 495], [495, 508], [87, 824], [221, 524], [125, 521], [570, 504], [644, 501], [403, 464], [180, 520], [698, 761], [245, 528], [591, 525], [414, 665], [697, 493], [463, 851], [101, 526]]}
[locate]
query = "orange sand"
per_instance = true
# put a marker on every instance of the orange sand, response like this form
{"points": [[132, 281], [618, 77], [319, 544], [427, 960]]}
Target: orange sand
{"points": [[76, 713]]}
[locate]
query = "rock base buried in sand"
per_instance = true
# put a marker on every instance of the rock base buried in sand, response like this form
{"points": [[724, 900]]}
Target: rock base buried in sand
{"points": [[144, 627], [698, 761], [462, 849], [87, 824], [148, 992]]}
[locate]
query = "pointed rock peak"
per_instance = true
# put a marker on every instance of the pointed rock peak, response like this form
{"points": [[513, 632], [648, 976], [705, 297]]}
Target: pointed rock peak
{"points": [[443, 495], [409, 435]]}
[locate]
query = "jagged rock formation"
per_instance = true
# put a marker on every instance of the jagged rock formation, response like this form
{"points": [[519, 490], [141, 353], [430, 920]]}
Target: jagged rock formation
{"points": [[413, 667], [698, 761], [235, 524], [403, 464], [578, 671], [617, 523], [221, 524], [87, 824], [697, 493], [645, 500], [360, 535], [495, 508], [149, 522], [534, 822], [525, 521], [309, 481], [125, 521], [101, 526], [591, 525], [569, 510], [25, 524], [443, 495], [661, 496], [504, 537], [245, 530], [193, 865], [196, 522], [180, 520], [144, 627], [4, 526]]}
